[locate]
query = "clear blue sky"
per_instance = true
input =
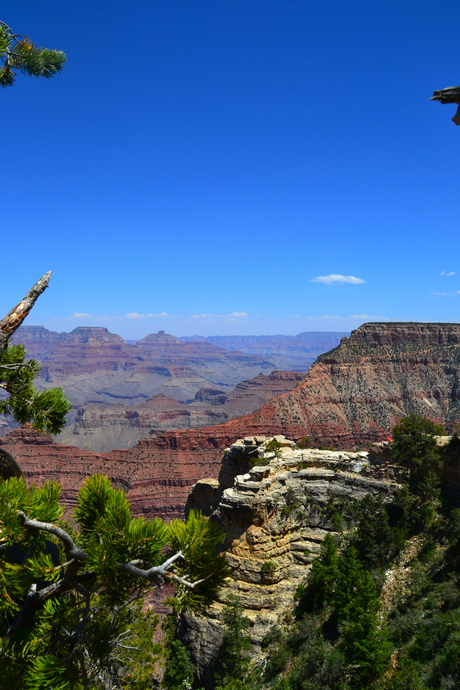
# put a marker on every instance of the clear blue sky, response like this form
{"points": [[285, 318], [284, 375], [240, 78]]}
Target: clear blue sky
{"points": [[208, 159]]}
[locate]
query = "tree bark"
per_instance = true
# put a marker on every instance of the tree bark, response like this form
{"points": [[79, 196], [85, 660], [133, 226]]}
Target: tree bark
{"points": [[16, 316]]}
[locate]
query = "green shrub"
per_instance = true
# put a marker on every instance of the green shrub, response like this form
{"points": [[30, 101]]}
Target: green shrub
{"points": [[273, 446], [268, 568]]}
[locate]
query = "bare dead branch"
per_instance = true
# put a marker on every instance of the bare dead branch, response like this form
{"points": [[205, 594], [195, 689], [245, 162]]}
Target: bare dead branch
{"points": [[16, 316], [72, 551], [157, 573]]}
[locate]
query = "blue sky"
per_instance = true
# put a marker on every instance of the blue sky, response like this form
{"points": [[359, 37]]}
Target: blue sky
{"points": [[206, 166]]}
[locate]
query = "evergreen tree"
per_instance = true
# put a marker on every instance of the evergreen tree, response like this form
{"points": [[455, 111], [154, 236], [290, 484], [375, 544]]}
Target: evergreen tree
{"points": [[415, 447], [235, 646], [319, 591], [19, 54], [375, 540], [356, 605], [179, 670], [46, 410]]}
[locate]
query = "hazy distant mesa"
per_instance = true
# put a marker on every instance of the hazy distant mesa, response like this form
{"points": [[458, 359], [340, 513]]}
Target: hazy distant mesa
{"points": [[168, 382]]}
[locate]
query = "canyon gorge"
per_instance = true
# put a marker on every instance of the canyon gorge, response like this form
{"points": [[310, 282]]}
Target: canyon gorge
{"points": [[351, 396]]}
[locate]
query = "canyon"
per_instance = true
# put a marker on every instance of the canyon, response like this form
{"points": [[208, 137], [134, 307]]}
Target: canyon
{"points": [[94, 365], [102, 428], [351, 396], [193, 377], [287, 352]]}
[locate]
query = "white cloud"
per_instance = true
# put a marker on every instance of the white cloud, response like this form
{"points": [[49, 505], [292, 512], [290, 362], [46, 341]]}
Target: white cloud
{"points": [[75, 316], [456, 292], [135, 315], [450, 273], [337, 278], [227, 317]]}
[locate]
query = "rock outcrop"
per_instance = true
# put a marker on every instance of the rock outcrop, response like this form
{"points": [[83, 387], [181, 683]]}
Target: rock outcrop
{"points": [[275, 507], [101, 428]]}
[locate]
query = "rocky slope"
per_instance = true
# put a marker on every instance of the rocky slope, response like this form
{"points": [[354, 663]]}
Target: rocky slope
{"points": [[275, 516], [102, 428], [156, 474], [356, 393], [350, 397]]}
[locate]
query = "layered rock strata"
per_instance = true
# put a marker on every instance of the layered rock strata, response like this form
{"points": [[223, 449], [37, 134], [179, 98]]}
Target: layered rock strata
{"points": [[297, 352], [356, 393], [156, 474], [101, 428], [351, 396], [94, 365], [275, 515]]}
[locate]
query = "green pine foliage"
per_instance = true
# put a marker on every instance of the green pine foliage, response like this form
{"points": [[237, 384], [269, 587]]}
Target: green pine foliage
{"points": [[414, 447], [236, 643], [46, 410], [198, 540], [179, 671], [19, 54], [71, 624]]}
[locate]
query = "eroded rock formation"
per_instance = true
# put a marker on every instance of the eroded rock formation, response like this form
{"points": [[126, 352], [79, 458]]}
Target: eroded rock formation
{"points": [[296, 352], [356, 393], [94, 365], [275, 515], [156, 474]]}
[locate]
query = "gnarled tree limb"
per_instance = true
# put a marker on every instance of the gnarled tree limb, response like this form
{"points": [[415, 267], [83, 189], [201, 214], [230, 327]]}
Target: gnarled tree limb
{"points": [[16, 316], [449, 95]]}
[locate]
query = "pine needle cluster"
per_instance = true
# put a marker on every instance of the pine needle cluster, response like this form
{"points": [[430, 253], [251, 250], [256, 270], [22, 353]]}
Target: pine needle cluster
{"points": [[19, 54]]}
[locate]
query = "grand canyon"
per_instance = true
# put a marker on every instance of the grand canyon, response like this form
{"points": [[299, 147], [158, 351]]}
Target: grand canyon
{"points": [[351, 396]]}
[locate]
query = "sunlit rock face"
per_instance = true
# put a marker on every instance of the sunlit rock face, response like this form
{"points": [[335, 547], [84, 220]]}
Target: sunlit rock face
{"points": [[356, 393], [275, 508]]}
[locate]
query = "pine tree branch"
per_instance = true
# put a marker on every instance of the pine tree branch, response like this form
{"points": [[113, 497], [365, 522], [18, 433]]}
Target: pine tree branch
{"points": [[157, 573], [15, 36], [75, 556], [16, 316], [18, 365]]}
